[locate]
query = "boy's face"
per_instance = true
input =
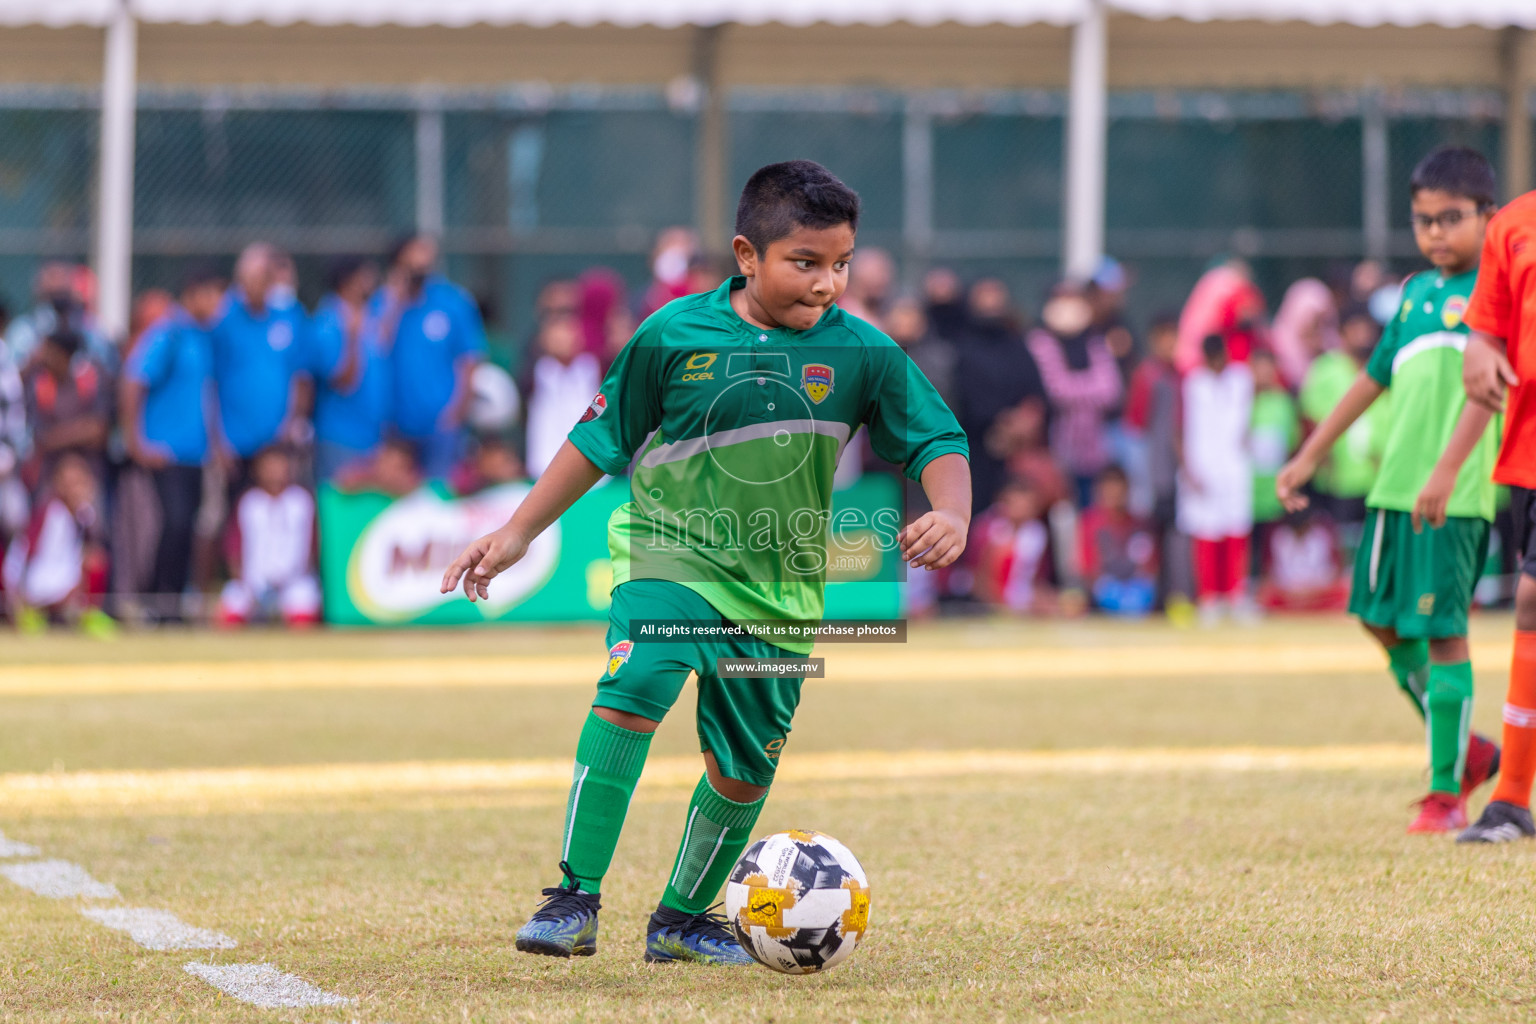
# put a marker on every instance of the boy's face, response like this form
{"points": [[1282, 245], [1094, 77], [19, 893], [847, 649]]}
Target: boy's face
{"points": [[1265, 374], [271, 473], [74, 484], [498, 464], [54, 358], [799, 278], [1019, 505], [1448, 228], [1110, 493], [560, 338], [1359, 335], [1163, 342], [202, 303]]}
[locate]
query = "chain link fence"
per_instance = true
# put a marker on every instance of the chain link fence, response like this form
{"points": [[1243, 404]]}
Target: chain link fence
{"points": [[537, 184]]}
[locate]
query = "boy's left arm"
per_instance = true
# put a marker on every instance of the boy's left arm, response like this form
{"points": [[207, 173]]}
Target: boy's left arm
{"points": [[1432, 501], [937, 538]]}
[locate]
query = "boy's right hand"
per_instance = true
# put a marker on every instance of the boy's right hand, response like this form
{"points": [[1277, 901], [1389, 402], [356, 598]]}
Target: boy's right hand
{"points": [[1486, 372], [1293, 476], [483, 561]]}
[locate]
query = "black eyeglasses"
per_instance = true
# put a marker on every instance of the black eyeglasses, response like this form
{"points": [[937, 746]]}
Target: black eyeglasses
{"points": [[1448, 220]]}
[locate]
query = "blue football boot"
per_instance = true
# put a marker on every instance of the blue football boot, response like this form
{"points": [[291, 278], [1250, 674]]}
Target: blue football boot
{"points": [[675, 936], [565, 923]]}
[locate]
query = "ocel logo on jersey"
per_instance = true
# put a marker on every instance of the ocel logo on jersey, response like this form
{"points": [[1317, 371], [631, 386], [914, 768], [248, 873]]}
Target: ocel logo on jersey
{"points": [[697, 364], [618, 654], [598, 406], [816, 378], [1454, 309]]}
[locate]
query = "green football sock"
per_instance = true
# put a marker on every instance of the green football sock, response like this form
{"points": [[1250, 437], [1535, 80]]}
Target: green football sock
{"points": [[1449, 707], [718, 830], [608, 764], [1410, 666]]}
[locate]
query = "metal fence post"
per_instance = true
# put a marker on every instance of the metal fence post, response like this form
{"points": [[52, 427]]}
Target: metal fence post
{"points": [[1375, 184], [429, 164], [1518, 76], [114, 207], [916, 186], [711, 143], [1087, 128]]}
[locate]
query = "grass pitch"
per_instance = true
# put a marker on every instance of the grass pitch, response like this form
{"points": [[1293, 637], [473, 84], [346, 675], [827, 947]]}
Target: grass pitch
{"points": [[1135, 824]]}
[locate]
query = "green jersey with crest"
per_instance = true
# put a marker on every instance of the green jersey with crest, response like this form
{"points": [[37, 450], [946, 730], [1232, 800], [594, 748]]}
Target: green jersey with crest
{"points": [[1419, 359], [735, 433]]}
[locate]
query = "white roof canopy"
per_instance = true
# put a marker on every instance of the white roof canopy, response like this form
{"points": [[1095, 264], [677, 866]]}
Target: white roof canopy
{"points": [[672, 13]]}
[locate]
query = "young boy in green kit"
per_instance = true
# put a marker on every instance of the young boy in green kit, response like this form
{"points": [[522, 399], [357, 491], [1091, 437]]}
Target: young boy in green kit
{"points": [[734, 407], [1428, 513]]}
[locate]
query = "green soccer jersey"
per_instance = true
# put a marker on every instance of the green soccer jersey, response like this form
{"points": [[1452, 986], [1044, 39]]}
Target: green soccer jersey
{"points": [[738, 431], [1274, 429], [1419, 359], [1351, 466]]}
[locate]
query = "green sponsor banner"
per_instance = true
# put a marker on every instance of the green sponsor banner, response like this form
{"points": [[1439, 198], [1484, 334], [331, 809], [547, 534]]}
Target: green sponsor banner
{"points": [[382, 559]]}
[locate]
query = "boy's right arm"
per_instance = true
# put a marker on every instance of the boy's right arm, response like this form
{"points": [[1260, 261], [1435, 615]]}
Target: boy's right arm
{"points": [[570, 475], [1432, 501], [1294, 475]]}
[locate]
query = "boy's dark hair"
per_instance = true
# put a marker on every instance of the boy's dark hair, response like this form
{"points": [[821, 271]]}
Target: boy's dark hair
{"points": [[398, 246], [1115, 473], [1163, 320], [341, 270], [1213, 347], [1358, 311], [199, 276], [1459, 170], [401, 446], [279, 450], [779, 198], [65, 340]]}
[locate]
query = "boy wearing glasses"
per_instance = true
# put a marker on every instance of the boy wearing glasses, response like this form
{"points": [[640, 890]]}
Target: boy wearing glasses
{"points": [[1428, 513]]}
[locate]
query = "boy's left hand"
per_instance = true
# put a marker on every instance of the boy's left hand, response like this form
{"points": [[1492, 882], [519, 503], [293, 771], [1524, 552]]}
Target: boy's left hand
{"points": [[933, 541], [1430, 507]]}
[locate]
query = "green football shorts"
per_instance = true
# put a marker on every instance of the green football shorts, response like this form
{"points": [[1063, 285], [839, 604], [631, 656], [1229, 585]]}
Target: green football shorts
{"points": [[743, 722], [1419, 584]]}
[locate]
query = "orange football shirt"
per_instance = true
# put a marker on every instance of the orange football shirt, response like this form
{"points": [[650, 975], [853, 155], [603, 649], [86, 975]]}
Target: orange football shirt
{"points": [[1504, 305]]}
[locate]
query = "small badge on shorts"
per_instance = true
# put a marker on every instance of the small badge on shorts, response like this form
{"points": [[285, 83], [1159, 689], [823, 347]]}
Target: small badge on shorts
{"points": [[618, 654]]}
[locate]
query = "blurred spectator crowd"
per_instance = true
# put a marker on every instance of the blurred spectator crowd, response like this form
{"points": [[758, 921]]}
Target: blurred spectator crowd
{"points": [[1118, 467]]}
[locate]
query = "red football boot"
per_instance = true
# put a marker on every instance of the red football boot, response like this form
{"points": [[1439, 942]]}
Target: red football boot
{"points": [[1482, 763], [1440, 812]]}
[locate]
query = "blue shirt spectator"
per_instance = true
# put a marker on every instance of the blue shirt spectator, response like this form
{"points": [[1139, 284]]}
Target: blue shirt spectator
{"points": [[433, 334], [352, 389], [174, 363], [256, 353]]}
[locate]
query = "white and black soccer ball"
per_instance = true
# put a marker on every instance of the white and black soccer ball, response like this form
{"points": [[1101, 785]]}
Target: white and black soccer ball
{"points": [[798, 902]]}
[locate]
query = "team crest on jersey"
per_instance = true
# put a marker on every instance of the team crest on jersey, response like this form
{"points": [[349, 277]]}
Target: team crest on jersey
{"points": [[1454, 309], [816, 378], [598, 406], [618, 654]]}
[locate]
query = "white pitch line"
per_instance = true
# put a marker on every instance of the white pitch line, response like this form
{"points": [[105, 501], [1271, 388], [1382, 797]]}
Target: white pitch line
{"points": [[158, 929], [264, 985], [15, 848], [58, 880]]}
